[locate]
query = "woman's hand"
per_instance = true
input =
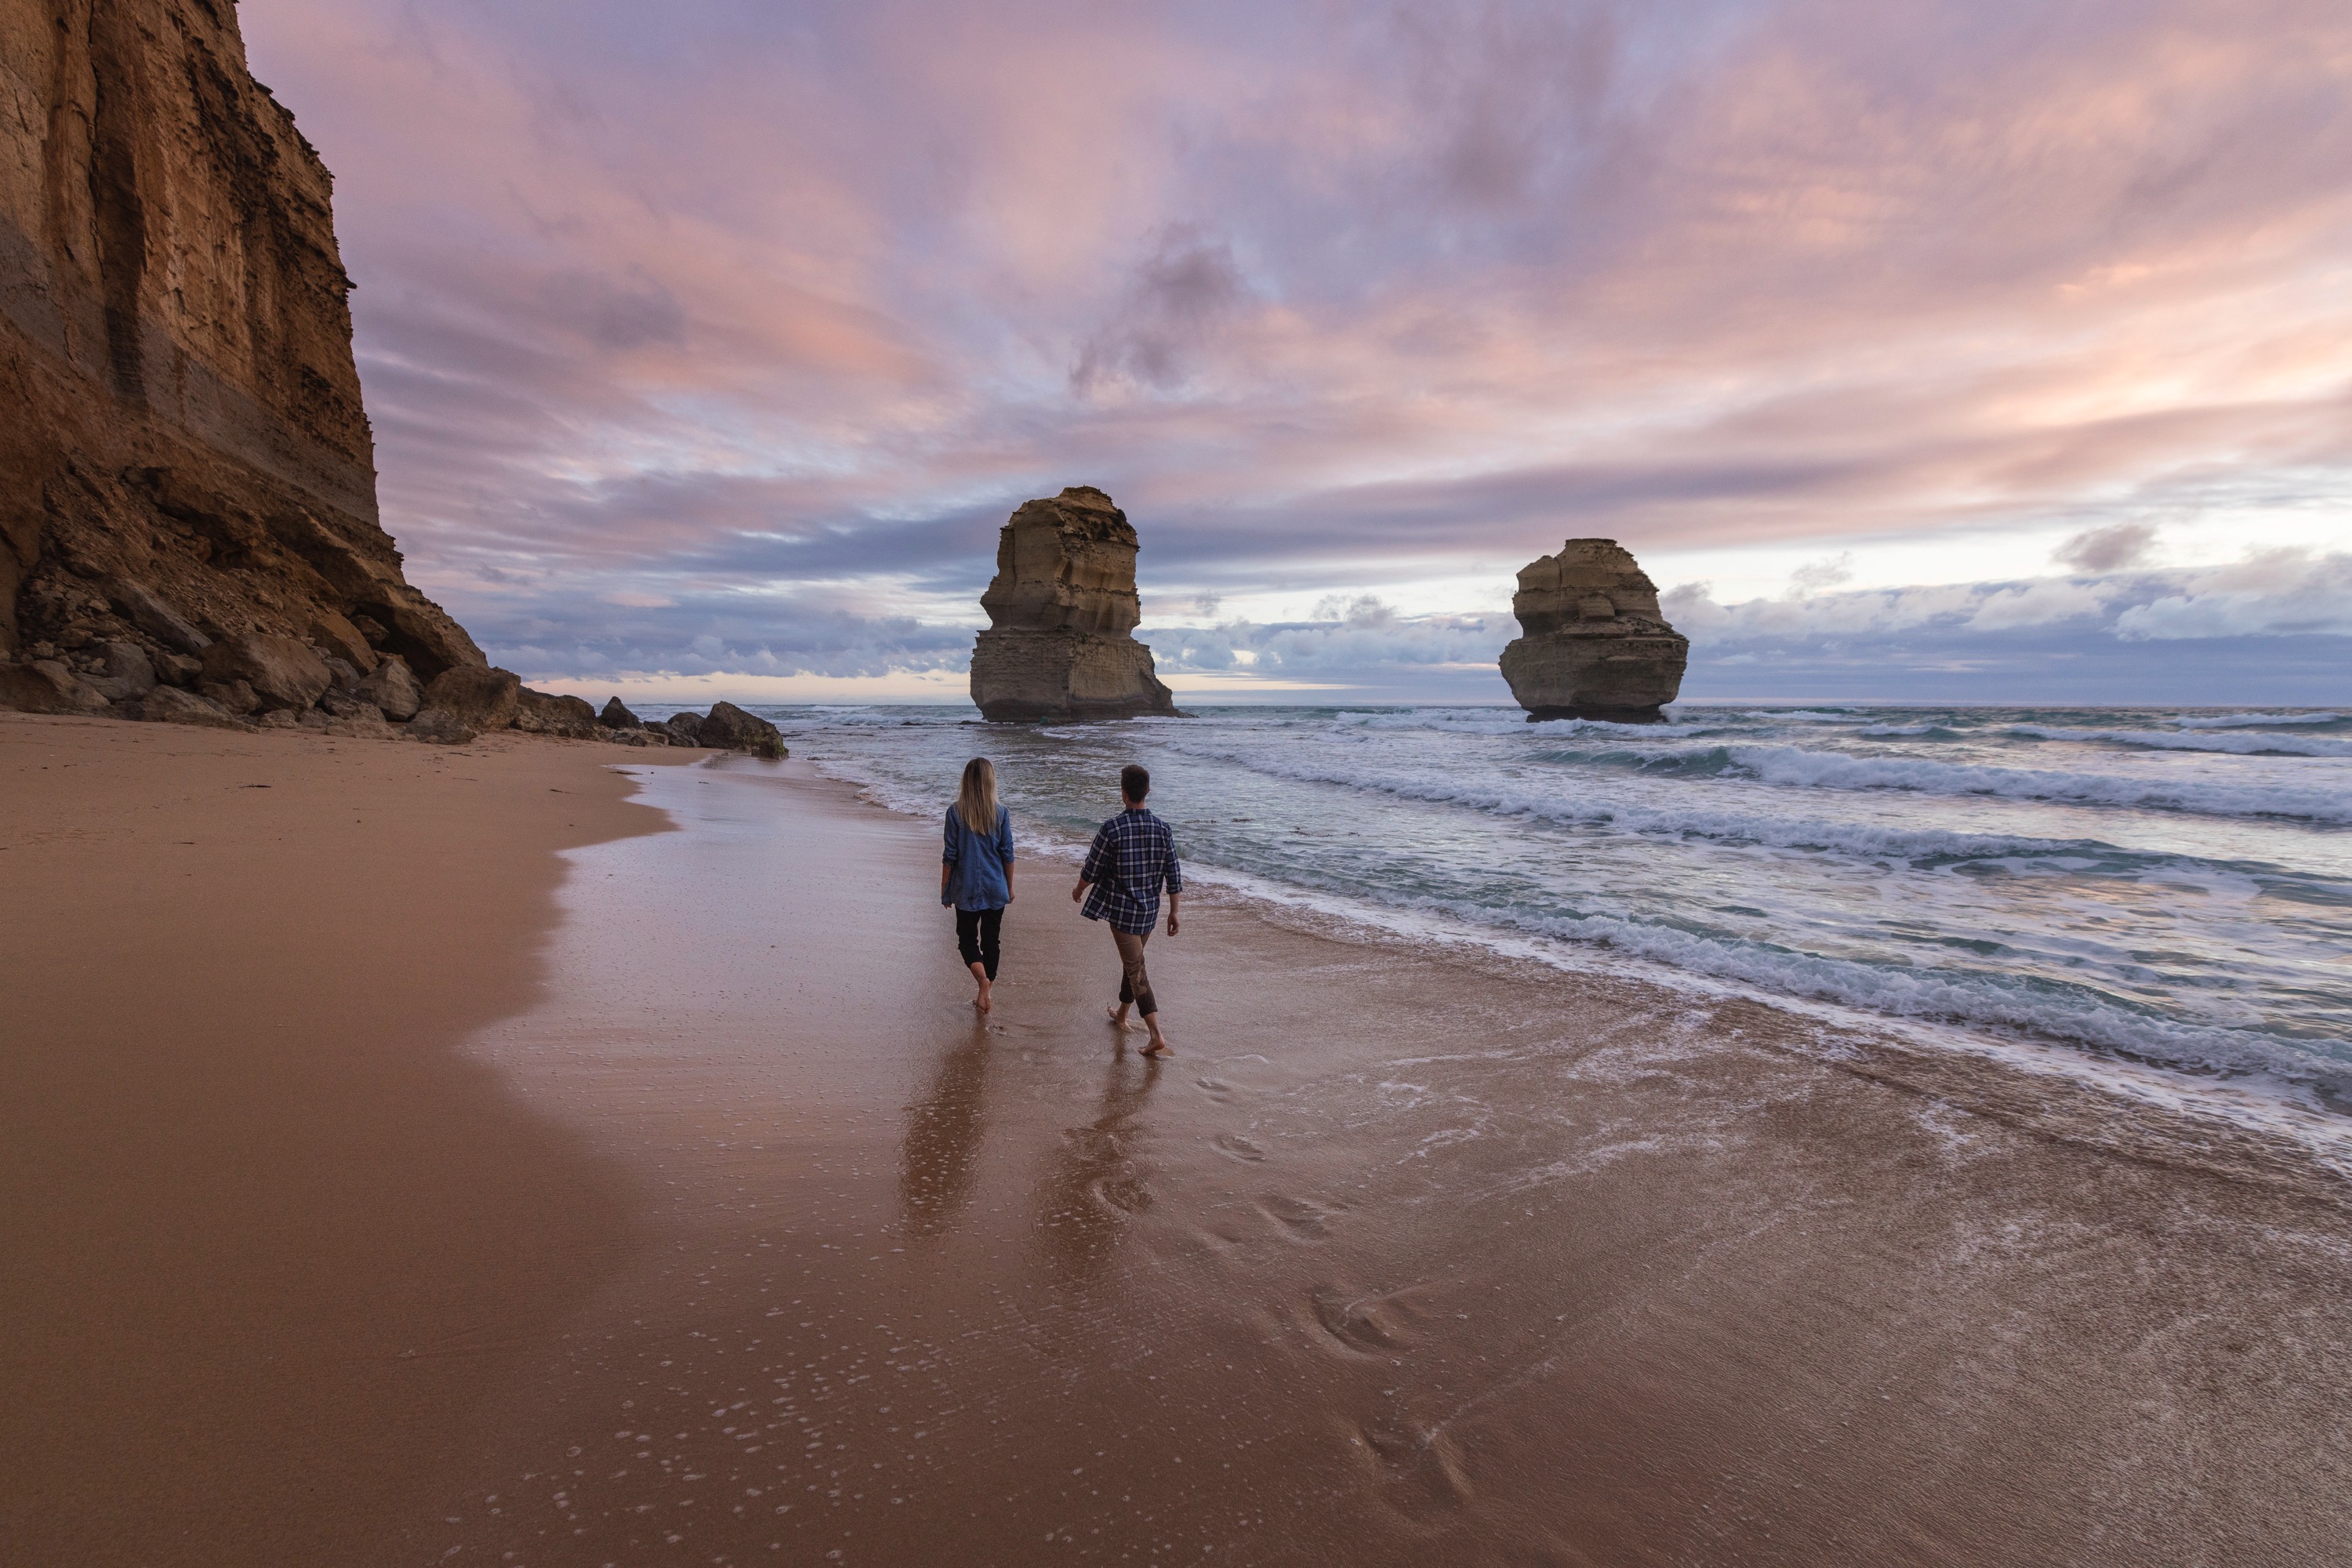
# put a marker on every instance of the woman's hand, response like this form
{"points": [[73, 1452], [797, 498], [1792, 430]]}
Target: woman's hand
{"points": [[1172, 915], [1077, 893]]}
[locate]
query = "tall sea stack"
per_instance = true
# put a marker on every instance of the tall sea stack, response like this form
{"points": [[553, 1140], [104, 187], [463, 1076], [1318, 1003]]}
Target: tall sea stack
{"points": [[1594, 643], [184, 464], [1059, 613]]}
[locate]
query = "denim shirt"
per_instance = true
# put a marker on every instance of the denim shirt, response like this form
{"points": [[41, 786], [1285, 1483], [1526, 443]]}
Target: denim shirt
{"points": [[979, 879]]}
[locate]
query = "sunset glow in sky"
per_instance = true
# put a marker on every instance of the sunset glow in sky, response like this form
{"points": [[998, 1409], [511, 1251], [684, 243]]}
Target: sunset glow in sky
{"points": [[1982, 350]]}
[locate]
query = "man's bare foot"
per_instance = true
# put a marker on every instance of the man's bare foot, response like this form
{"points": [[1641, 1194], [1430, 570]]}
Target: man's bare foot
{"points": [[1159, 1046], [984, 1002], [1117, 1018]]}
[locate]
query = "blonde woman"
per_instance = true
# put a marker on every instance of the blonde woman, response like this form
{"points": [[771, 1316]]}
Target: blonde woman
{"points": [[976, 872]]}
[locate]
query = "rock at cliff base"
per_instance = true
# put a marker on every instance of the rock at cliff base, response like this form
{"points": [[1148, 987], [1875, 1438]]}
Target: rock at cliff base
{"points": [[543, 713], [44, 686], [1595, 643], [235, 696], [1060, 610], [439, 726], [282, 672], [342, 640], [477, 695], [685, 728], [393, 688], [169, 705], [145, 609], [618, 717], [730, 729], [129, 673]]}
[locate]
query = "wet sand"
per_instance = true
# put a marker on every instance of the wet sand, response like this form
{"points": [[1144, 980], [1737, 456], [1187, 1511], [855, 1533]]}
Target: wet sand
{"points": [[727, 1237], [1405, 1258]]}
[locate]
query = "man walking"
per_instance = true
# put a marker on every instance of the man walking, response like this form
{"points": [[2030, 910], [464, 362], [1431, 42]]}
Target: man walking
{"points": [[1133, 855]]}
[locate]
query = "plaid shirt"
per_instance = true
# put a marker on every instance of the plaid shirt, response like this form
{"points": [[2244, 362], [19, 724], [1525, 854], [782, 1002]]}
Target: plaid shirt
{"points": [[1133, 855]]}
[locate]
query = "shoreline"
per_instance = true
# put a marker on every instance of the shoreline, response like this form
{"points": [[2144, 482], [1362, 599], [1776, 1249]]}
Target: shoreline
{"points": [[720, 1230], [1398, 1258], [2271, 1125]]}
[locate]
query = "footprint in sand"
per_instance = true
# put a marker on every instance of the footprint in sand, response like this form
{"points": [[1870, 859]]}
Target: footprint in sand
{"points": [[1299, 1218], [1234, 1146], [1419, 1471], [1374, 1323]]}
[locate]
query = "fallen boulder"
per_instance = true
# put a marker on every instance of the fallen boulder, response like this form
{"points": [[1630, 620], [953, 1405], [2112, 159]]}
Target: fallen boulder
{"points": [[439, 726], [477, 695], [44, 686], [169, 705], [543, 713], [235, 696], [616, 717], [730, 729], [282, 672], [146, 609], [685, 728], [130, 674], [392, 687]]}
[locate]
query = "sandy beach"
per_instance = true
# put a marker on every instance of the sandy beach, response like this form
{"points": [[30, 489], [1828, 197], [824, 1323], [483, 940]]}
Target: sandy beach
{"points": [[426, 1159]]}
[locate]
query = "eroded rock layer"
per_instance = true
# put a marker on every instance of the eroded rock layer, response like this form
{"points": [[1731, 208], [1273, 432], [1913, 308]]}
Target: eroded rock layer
{"points": [[1060, 611], [184, 462], [1594, 644]]}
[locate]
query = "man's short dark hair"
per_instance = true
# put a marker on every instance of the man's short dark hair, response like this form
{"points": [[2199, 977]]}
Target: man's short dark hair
{"points": [[1135, 782]]}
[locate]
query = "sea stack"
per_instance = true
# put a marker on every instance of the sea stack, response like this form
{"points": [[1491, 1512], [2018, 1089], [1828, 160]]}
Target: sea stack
{"points": [[1594, 644], [187, 477], [1060, 612]]}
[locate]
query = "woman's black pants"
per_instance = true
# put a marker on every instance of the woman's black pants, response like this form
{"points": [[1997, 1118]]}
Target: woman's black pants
{"points": [[976, 938]]}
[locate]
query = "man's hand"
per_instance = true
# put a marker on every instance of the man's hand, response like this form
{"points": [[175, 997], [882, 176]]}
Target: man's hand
{"points": [[1172, 915]]}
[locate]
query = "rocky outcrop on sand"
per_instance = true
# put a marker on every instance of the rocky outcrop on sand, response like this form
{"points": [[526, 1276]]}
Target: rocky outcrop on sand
{"points": [[1060, 611], [1594, 644], [185, 462]]}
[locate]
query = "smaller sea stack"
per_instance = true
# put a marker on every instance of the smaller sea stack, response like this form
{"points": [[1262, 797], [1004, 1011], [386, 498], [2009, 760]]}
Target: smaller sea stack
{"points": [[1594, 644], [1060, 612]]}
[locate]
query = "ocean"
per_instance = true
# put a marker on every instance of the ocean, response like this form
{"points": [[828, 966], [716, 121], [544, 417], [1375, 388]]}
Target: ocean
{"points": [[2168, 890]]}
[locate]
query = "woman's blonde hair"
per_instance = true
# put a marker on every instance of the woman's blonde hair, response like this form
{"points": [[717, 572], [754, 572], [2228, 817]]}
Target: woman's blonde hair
{"points": [[976, 802]]}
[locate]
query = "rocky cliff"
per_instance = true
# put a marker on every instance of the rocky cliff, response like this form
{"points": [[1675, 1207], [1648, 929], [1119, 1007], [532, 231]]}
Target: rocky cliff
{"points": [[1060, 611], [185, 462], [1594, 644]]}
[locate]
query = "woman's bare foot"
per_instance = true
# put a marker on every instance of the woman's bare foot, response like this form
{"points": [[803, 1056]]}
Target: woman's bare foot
{"points": [[1117, 1018], [1159, 1046], [984, 1002]]}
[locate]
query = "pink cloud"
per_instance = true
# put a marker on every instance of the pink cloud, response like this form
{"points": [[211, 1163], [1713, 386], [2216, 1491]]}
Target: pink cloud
{"points": [[642, 291]]}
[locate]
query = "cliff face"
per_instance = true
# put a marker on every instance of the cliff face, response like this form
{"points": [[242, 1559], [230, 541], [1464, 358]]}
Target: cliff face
{"points": [[1059, 613], [1595, 643], [183, 456]]}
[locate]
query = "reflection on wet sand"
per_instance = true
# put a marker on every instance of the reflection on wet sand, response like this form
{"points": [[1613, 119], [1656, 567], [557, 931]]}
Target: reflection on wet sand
{"points": [[941, 1149], [1096, 1183], [1418, 1263]]}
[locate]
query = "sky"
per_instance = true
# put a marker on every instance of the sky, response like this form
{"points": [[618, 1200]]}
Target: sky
{"points": [[1988, 351]]}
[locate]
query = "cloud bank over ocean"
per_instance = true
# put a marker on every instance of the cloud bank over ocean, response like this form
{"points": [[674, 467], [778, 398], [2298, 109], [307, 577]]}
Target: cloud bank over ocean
{"points": [[1917, 351]]}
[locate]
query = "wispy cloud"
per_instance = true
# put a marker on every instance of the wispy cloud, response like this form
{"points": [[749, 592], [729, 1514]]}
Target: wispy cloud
{"points": [[773, 313]]}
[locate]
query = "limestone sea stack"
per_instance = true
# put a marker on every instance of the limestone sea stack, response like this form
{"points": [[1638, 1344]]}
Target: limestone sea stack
{"points": [[1594, 644], [1060, 612]]}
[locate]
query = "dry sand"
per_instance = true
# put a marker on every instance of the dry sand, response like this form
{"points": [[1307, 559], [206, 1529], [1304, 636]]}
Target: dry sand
{"points": [[720, 1233]]}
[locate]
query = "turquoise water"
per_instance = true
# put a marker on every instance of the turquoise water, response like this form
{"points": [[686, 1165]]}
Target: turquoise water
{"points": [[2171, 886]]}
